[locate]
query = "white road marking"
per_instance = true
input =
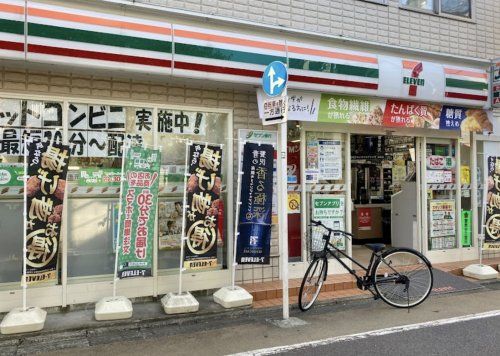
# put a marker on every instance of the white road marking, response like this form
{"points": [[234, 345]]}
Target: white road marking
{"points": [[364, 335]]}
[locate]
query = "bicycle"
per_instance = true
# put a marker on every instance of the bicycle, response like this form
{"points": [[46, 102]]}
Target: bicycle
{"points": [[401, 277]]}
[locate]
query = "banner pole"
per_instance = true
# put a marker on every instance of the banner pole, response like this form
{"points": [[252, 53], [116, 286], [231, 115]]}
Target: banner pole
{"points": [[184, 207], [118, 228], [483, 214], [237, 214], [25, 217]]}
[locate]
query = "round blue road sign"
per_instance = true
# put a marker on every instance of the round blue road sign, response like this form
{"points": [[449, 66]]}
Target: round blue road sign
{"points": [[275, 78]]}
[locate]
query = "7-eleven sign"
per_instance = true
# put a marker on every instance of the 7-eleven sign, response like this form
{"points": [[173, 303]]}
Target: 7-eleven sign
{"points": [[412, 76]]}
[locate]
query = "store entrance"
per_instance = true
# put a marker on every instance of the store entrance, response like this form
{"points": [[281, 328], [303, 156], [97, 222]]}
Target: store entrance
{"points": [[383, 192]]}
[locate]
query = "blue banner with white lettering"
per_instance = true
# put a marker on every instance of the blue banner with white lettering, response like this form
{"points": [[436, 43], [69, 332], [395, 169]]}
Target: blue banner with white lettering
{"points": [[451, 117], [253, 244]]}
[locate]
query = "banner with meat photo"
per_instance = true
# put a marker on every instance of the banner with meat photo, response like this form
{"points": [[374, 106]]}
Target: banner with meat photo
{"points": [[203, 205], [47, 169], [492, 216]]}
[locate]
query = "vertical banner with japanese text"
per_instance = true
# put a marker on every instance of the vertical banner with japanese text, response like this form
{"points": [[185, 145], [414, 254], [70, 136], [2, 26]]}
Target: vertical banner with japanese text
{"points": [[138, 210], [254, 240], [492, 223], [203, 204], [47, 169]]}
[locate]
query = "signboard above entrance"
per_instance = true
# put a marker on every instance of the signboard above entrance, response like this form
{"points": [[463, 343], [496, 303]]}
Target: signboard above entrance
{"points": [[350, 109]]}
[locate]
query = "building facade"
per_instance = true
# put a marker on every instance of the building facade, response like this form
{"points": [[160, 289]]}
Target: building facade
{"points": [[400, 72]]}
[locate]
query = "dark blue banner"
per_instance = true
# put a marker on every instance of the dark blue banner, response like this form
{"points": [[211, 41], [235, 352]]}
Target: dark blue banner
{"points": [[253, 246], [451, 117]]}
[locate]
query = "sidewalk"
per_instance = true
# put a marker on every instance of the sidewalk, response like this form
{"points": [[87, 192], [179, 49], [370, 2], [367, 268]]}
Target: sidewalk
{"points": [[79, 328], [337, 287]]}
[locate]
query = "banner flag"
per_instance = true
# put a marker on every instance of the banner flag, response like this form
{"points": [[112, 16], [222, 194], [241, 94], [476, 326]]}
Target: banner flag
{"points": [[254, 239], [492, 223], [47, 169], [138, 210], [203, 205]]}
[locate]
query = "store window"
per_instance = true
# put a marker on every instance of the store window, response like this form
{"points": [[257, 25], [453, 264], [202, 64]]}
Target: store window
{"points": [[19, 119], [96, 135], [175, 129]]}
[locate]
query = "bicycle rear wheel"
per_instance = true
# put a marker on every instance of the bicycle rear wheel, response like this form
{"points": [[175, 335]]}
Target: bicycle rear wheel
{"points": [[312, 283], [402, 278]]}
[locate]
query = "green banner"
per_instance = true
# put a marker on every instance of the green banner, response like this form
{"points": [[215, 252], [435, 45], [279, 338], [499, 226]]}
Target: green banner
{"points": [[138, 210], [11, 176], [101, 177], [350, 109], [466, 221]]}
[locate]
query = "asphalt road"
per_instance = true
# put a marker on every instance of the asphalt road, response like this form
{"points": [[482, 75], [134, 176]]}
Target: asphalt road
{"points": [[473, 337], [235, 335]]}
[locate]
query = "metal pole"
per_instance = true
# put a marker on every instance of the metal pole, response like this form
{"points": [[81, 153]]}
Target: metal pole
{"points": [[283, 214], [237, 215], [25, 217], [118, 228], [483, 212], [184, 207]]}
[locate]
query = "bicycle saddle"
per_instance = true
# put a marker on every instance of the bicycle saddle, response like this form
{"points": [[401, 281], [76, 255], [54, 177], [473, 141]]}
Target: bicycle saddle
{"points": [[375, 247]]}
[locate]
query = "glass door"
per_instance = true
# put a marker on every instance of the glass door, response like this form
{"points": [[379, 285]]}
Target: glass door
{"points": [[441, 199], [327, 193]]}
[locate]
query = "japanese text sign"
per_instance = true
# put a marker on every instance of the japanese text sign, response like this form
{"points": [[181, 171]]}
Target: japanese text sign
{"points": [[256, 204], [203, 205], [492, 223], [45, 188], [138, 210]]}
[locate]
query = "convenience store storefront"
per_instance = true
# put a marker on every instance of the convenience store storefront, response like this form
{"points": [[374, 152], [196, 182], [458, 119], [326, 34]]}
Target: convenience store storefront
{"points": [[74, 41]]}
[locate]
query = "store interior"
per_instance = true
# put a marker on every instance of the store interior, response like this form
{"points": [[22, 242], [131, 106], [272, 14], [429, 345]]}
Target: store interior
{"points": [[383, 190]]}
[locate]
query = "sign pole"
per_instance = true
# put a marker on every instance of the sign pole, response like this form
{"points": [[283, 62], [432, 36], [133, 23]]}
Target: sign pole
{"points": [[25, 216], [237, 216], [118, 228], [282, 218], [175, 303], [183, 230]]}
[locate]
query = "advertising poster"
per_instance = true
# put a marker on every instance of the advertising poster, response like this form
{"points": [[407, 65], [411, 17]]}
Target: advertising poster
{"points": [[492, 224], [466, 223], [442, 218], [293, 162], [351, 109], [107, 177], [47, 169], [411, 114], [330, 159], [11, 176], [254, 239], [137, 220], [364, 218], [330, 210], [203, 205]]}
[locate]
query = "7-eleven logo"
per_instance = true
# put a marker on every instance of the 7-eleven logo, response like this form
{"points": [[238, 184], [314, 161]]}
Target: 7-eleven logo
{"points": [[412, 71]]}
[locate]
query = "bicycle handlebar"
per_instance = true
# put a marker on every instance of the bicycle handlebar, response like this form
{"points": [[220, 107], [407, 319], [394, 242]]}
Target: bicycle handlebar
{"points": [[319, 223]]}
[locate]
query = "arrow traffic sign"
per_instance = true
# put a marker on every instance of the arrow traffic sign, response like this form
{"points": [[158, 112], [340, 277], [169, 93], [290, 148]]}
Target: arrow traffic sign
{"points": [[275, 78]]}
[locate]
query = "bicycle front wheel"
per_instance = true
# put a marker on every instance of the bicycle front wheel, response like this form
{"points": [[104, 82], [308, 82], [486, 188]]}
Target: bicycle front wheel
{"points": [[312, 282], [402, 278]]}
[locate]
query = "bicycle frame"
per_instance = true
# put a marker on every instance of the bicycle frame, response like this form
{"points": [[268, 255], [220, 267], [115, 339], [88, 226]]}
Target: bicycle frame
{"points": [[362, 282]]}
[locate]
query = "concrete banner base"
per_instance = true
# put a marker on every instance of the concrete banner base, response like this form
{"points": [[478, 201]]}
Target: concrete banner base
{"points": [[478, 271], [174, 303], [23, 321], [113, 308], [230, 297]]}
